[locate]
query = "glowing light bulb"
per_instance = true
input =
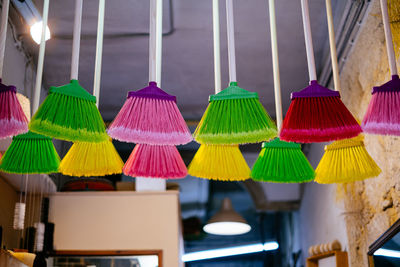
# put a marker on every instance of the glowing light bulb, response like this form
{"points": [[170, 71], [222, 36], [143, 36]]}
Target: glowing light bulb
{"points": [[36, 32]]}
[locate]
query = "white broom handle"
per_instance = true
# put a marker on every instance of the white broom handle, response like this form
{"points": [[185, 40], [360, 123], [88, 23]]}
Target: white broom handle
{"points": [[231, 40], [3, 32], [152, 41], [217, 52], [308, 40], [332, 45], [99, 51], [39, 70], [76, 40], [159, 30], [275, 64], [389, 40]]}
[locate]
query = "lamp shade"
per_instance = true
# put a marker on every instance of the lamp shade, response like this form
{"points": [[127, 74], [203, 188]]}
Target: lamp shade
{"points": [[227, 221]]}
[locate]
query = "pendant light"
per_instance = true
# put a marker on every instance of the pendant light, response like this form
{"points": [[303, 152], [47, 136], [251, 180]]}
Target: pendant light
{"points": [[227, 221]]}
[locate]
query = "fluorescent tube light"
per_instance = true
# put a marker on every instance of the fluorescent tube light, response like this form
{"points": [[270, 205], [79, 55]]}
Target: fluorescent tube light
{"points": [[387, 253], [232, 251]]}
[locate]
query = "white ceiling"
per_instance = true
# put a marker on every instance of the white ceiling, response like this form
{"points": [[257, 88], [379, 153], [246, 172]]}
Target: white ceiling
{"points": [[187, 52]]}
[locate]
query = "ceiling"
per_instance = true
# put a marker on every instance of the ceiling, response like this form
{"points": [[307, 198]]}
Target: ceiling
{"points": [[187, 49]]}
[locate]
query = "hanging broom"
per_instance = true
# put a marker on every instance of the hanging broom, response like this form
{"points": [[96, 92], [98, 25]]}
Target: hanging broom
{"points": [[383, 113], [219, 162], [346, 160], [155, 161], [86, 158], [150, 115], [31, 152], [69, 112], [280, 162], [316, 113], [12, 118], [234, 116]]}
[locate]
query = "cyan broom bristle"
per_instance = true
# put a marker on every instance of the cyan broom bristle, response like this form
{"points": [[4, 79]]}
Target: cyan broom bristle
{"points": [[69, 113], [235, 116]]}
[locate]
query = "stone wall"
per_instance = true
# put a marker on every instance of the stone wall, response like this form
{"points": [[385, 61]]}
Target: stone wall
{"points": [[373, 205]]}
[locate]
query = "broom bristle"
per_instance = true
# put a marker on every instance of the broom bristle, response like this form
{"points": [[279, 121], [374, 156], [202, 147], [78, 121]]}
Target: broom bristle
{"points": [[282, 162], [383, 113], [346, 161], [69, 113], [12, 118], [30, 153], [219, 162], [155, 161], [91, 159], [316, 114], [235, 116], [150, 116]]}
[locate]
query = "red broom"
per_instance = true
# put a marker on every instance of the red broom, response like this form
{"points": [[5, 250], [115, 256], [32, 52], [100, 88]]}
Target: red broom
{"points": [[316, 113], [155, 161]]}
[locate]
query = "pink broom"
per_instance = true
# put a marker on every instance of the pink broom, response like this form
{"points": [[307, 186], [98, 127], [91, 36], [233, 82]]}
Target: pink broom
{"points": [[150, 115], [383, 113], [12, 118], [155, 161]]}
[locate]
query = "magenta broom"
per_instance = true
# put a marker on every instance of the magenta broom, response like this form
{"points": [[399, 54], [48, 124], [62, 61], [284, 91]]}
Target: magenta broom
{"points": [[150, 116], [383, 113], [155, 161], [12, 118]]}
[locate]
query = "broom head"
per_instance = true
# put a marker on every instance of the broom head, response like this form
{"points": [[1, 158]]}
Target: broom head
{"points": [[30, 153], [219, 162], [346, 161], [155, 161], [282, 162], [383, 113], [91, 159], [12, 118], [235, 116], [150, 116], [316, 114], [69, 113]]}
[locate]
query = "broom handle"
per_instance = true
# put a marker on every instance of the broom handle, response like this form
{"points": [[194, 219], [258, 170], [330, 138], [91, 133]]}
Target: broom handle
{"points": [[99, 51], [308, 40], [159, 23], [389, 40], [39, 70], [152, 41], [217, 52], [332, 45], [3, 32], [231, 40], [76, 40], [275, 64]]}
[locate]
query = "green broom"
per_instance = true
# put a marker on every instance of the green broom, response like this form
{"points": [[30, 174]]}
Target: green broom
{"points": [[234, 116], [69, 112], [279, 161], [32, 153]]}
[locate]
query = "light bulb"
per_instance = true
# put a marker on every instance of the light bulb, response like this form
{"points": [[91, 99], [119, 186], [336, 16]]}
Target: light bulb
{"points": [[36, 32]]}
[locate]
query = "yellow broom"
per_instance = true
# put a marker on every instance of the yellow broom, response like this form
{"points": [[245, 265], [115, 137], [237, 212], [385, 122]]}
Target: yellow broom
{"points": [[219, 162], [85, 158], [346, 160]]}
